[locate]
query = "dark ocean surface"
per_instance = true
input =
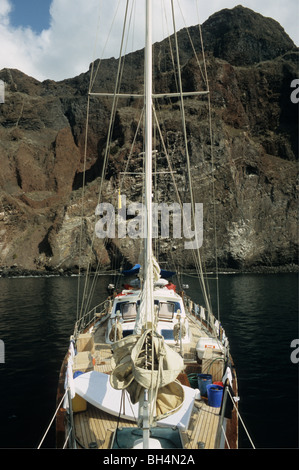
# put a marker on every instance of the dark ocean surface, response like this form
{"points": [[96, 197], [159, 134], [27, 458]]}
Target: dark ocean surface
{"points": [[258, 312]]}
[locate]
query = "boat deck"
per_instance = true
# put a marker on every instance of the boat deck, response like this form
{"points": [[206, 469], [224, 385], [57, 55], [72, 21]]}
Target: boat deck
{"points": [[94, 428]]}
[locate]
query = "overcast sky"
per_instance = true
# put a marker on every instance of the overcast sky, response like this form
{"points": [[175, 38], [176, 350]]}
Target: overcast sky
{"points": [[55, 39]]}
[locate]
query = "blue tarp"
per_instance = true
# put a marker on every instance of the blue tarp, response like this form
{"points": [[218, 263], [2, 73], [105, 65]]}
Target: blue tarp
{"points": [[136, 268]]}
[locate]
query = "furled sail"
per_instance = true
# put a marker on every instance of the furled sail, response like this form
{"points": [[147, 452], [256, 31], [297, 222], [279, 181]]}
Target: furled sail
{"points": [[146, 362], [146, 312]]}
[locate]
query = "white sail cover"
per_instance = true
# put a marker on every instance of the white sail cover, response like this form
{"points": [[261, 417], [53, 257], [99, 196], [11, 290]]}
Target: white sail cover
{"points": [[146, 362]]}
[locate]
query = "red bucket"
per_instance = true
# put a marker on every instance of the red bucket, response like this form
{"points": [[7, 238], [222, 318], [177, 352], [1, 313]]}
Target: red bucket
{"points": [[218, 383]]}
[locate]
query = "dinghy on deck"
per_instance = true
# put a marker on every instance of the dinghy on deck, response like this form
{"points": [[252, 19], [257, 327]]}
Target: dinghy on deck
{"points": [[96, 389]]}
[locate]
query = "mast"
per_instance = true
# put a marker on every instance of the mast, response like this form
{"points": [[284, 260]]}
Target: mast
{"points": [[147, 297], [147, 306]]}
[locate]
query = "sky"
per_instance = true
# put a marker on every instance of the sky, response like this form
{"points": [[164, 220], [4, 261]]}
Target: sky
{"points": [[58, 39]]}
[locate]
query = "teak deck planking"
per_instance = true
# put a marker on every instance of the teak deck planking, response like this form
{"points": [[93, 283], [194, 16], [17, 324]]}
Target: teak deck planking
{"points": [[94, 427]]}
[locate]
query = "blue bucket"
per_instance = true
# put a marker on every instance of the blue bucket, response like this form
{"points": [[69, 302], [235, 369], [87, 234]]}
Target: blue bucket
{"points": [[203, 380], [215, 393]]}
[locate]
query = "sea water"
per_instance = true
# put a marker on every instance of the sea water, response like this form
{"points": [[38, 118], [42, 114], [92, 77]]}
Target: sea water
{"points": [[258, 312]]}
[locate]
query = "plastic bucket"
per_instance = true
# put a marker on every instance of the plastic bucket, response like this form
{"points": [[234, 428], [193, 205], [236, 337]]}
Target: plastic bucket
{"points": [[215, 393], [203, 380]]}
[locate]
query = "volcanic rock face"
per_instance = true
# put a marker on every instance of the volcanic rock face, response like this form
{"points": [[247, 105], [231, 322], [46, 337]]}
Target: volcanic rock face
{"points": [[252, 163]]}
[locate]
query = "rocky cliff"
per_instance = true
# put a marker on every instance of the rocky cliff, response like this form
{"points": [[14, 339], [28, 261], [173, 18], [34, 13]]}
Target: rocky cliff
{"points": [[251, 65]]}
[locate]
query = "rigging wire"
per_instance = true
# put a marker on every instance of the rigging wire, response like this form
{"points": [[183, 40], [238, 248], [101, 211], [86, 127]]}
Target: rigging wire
{"points": [[198, 260], [57, 409], [242, 422], [105, 45], [112, 118], [212, 162], [93, 75], [205, 288]]}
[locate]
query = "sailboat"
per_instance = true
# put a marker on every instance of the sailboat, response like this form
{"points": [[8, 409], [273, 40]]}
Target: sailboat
{"points": [[149, 368]]}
